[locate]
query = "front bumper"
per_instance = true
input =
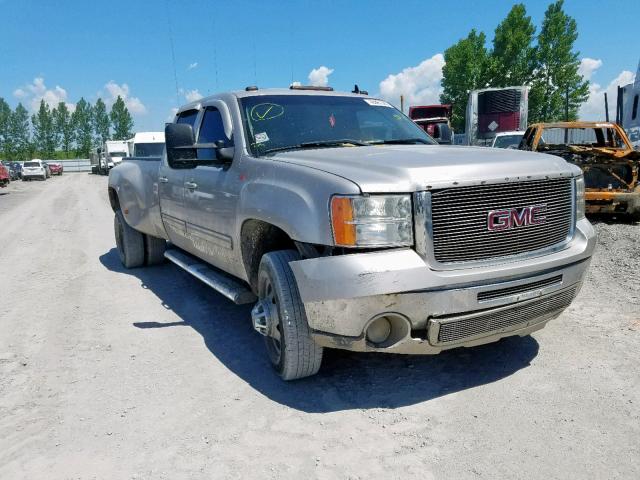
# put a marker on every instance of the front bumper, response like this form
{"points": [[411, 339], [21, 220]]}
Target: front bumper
{"points": [[343, 294]]}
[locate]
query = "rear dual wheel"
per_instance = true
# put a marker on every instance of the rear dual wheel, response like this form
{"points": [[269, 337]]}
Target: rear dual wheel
{"points": [[134, 248]]}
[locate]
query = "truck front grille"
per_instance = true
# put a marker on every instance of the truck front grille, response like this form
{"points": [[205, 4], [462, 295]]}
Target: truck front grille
{"points": [[460, 328], [459, 219]]}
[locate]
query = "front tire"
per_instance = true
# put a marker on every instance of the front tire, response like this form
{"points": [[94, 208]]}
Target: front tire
{"points": [[291, 349], [129, 242]]}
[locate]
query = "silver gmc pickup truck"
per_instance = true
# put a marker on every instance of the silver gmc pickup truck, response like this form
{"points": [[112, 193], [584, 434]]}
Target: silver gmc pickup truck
{"points": [[348, 227]]}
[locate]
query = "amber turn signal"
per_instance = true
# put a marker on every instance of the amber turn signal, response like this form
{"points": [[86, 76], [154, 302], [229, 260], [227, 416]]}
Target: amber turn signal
{"points": [[344, 231]]}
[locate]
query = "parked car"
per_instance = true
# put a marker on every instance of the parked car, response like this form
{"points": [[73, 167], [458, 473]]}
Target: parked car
{"points": [[34, 169], [56, 168], [5, 176], [12, 174], [47, 169], [16, 170], [507, 139], [604, 153], [348, 227]]}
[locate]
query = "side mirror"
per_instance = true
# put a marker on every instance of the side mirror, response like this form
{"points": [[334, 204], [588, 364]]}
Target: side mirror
{"points": [[224, 151], [179, 142]]}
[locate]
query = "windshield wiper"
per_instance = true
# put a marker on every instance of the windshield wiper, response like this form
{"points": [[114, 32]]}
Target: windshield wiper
{"points": [[402, 141], [317, 144]]}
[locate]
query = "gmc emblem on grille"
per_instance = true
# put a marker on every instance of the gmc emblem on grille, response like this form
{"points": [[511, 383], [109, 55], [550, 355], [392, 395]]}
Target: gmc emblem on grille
{"points": [[509, 218]]}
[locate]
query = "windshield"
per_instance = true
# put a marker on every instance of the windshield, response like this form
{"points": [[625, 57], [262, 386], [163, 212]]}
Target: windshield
{"points": [[586, 137], [117, 154], [279, 122], [31, 164], [508, 141], [148, 149]]}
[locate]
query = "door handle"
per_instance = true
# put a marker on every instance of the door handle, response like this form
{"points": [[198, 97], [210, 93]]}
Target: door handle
{"points": [[163, 180], [191, 185]]}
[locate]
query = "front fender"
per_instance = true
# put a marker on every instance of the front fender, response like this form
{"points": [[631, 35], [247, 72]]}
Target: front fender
{"points": [[294, 199]]}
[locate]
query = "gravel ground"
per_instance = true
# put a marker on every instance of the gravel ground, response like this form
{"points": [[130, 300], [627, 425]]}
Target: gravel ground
{"points": [[148, 374]]}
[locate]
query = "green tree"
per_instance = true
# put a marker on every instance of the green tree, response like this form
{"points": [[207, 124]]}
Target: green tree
{"points": [[64, 127], [44, 133], [466, 68], [5, 115], [18, 142], [101, 123], [557, 69], [121, 120], [512, 60], [82, 120]]}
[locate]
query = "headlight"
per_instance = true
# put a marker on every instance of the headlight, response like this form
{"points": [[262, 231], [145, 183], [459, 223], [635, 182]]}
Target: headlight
{"points": [[579, 197], [379, 220]]}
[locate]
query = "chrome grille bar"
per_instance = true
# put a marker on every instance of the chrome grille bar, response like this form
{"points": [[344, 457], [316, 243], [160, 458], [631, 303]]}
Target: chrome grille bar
{"points": [[458, 223]]}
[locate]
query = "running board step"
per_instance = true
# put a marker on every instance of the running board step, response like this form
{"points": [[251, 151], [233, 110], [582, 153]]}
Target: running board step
{"points": [[224, 284]]}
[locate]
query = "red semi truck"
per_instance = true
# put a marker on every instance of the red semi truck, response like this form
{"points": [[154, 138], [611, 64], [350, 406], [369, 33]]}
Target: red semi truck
{"points": [[435, 120], [495, 110]]}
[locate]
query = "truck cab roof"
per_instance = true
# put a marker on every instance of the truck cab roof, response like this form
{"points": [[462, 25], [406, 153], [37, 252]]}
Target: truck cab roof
{"points": [[237, 94]]}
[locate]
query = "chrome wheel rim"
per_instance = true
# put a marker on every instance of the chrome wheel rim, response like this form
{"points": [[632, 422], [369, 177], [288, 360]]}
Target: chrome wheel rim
{"points": [[274, 340]]}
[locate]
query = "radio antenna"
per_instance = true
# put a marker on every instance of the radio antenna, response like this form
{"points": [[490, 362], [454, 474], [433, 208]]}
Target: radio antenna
{"points": [[215, 52], [173, 53]]}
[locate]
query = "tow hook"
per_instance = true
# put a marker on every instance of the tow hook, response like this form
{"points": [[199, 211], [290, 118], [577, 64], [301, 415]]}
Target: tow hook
{"points": [[261, 317]]}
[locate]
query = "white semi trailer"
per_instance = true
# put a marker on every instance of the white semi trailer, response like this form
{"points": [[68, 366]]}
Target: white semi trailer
{"points": [[146, 144]]}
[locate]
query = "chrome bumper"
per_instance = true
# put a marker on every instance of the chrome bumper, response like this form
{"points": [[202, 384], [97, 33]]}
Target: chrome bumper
{"points": [[343, 294]]}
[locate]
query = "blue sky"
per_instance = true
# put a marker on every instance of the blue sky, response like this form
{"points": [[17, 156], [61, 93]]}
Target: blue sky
{"points": [[68, 49]]}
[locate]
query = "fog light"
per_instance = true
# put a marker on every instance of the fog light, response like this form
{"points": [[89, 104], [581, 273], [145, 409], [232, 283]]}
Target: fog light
{"points": [[379, 330]]}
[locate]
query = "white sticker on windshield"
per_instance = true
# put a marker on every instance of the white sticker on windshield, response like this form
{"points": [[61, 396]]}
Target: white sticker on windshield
{"points": [[261, 137], [374, 102]]}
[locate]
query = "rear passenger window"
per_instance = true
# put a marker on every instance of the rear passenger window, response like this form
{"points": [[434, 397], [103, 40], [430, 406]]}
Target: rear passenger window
{"points": [[188, 117]]}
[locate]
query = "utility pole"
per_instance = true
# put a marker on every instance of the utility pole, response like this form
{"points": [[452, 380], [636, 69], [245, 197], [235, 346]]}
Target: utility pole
{"points": [[606, 107], [566, 114]]}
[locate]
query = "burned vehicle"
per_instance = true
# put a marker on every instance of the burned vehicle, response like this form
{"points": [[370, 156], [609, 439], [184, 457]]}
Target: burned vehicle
{"points": [[604, 153]]}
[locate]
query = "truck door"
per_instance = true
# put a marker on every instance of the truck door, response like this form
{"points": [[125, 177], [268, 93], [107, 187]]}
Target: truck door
{"points": [[171, 193], [211, 195]]}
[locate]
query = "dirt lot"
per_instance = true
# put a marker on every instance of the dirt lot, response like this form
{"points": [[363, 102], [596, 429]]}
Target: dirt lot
{"points": [[148, 374]]}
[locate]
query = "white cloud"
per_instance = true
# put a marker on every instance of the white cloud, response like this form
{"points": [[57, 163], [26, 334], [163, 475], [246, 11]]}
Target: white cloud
{"points": [[192, 95], [588, 66], [171, 115], [593, 108], [192, 66], [319, 77], [36, 91], [134, 104], [420, 85]]}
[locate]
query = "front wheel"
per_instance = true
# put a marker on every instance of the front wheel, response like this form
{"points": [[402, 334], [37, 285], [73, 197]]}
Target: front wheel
{"points": [[130, 242], [290, 347]]}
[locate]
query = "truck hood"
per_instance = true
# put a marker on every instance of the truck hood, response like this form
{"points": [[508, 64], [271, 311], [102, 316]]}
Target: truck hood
{"points": [[410, 168]]}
